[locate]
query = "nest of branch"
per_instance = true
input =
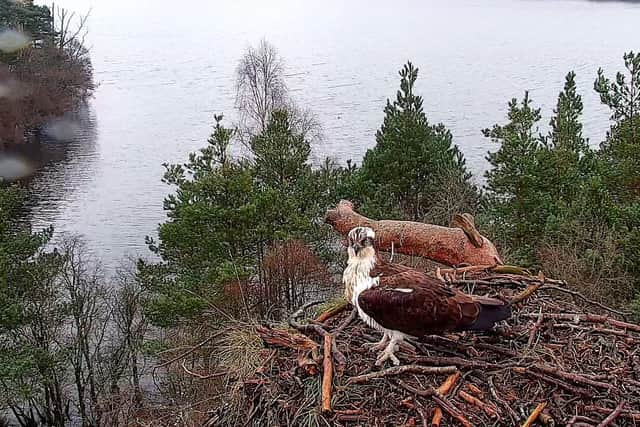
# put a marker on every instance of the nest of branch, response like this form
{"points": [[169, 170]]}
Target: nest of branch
{"points": [[560, 360]]}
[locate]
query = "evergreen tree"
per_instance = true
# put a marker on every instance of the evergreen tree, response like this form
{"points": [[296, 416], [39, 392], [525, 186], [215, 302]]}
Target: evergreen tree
{"points": [[225, 215], [411, 162], [620, 153], [512, 179], [281, 155], [622, 145], [566, 162]]}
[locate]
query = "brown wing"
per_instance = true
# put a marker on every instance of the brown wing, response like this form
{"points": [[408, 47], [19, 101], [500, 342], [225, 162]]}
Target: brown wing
{"points": [[416, 304], [418, 309], [383, 268]]}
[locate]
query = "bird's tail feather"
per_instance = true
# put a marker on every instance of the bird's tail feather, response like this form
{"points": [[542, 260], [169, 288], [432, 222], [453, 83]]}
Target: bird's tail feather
{"points": [[491, 312]]}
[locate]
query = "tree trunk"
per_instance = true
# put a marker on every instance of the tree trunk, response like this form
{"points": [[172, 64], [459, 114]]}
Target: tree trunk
{"points": [[449, 246]]}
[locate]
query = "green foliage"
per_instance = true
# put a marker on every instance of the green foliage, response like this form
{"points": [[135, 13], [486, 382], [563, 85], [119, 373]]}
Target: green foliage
{"points": [[24, 303], [620, 153], [18, 248], [536, 182], [621, 149], [403, 175], [35, 21], [225, 214], [557, 203]]}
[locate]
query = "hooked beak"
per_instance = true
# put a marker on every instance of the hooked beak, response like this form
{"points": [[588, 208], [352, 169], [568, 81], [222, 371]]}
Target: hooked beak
{"points": [[357, 247]]}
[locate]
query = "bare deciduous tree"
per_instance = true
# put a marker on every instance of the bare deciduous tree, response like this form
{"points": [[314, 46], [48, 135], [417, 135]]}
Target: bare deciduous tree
{"points": [[71, 31], [260, 85], [130, 323], [261, 89]]}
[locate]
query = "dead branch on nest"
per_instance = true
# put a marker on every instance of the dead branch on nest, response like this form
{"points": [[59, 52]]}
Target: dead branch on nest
{"points": [[443, 390], [612, 416], [575, 361], [449, 246], [592, 318], [396, 370], [327, 376], [490, 410], [282, 338], [577, 294], [624, 413], [332, 312], [534, 415], [526, 294], [447, 406]]}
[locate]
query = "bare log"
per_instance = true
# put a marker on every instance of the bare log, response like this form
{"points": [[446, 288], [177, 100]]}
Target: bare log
{"points": [[282, 338], [466, 223], [397, 370], [327, 375], [534, 415], [449, 246], [333, 311], [443, 390], [612, 416]]}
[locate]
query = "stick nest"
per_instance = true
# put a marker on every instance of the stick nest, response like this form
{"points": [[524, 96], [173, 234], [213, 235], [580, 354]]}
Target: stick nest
{"points": [[559, 360]]}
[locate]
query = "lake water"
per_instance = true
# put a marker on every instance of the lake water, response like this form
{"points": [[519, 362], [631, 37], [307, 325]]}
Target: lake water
{"points": [[164, 68]]}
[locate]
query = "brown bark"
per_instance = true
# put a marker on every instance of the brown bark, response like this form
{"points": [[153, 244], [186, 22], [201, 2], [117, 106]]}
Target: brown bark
{"points": [[534, 415], [443, 390], [279, 337], [327, 375], [449, 246]]}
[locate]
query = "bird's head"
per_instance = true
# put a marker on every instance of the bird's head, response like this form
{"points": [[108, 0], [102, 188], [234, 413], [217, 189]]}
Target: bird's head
{"points": [[360, 242]]}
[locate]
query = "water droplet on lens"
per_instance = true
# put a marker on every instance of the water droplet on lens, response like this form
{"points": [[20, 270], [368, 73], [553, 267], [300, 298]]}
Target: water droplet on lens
{"points": [[5, 91], [61, 129], [12, 41], [14, 167]]}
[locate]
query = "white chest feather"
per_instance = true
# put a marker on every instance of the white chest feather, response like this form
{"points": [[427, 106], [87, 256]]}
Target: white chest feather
{"points": [[356, 277]]}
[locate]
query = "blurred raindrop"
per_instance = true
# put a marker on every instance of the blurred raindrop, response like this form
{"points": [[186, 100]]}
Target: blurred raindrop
{"points": [[62, 129], [5, 91], [12, 41], [11, 89], [13, 167]]}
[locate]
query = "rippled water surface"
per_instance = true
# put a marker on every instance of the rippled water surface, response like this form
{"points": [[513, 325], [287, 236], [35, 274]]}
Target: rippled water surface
{"points": [[164, 68]]}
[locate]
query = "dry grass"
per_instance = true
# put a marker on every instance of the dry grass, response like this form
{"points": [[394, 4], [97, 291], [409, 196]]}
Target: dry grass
{"points": [[589, 261]]}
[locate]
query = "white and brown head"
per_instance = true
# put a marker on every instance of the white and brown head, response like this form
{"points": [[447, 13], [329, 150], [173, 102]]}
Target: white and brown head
{"points": [[360, 243]]}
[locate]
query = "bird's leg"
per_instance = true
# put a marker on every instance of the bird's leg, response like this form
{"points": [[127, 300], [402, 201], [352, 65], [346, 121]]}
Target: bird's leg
{"points": [[389, 351], [379, 345]]}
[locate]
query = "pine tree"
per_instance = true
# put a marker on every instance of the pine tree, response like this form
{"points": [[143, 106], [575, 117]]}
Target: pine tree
{"points": [[281, 154], [566, 160], [622, 146], [512, 180], [412, 162]]}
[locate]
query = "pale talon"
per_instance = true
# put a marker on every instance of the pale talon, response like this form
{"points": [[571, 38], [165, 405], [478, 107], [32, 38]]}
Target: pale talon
{"points": [[387, 354], [378, 346]]}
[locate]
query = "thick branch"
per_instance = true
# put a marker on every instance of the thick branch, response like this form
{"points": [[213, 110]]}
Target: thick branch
{"points": [[449, 246], [327, 375], [534, 415], [397, 370]]}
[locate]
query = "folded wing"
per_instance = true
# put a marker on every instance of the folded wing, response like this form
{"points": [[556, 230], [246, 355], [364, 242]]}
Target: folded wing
{"points": [[416, 304]]}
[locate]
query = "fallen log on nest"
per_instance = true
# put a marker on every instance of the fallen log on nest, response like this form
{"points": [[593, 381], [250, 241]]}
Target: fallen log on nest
{"points": [[504, 377], [447, 245]]}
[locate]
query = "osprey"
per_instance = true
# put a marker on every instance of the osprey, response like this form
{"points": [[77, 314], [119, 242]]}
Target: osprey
{"points": [[402, 302]]}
